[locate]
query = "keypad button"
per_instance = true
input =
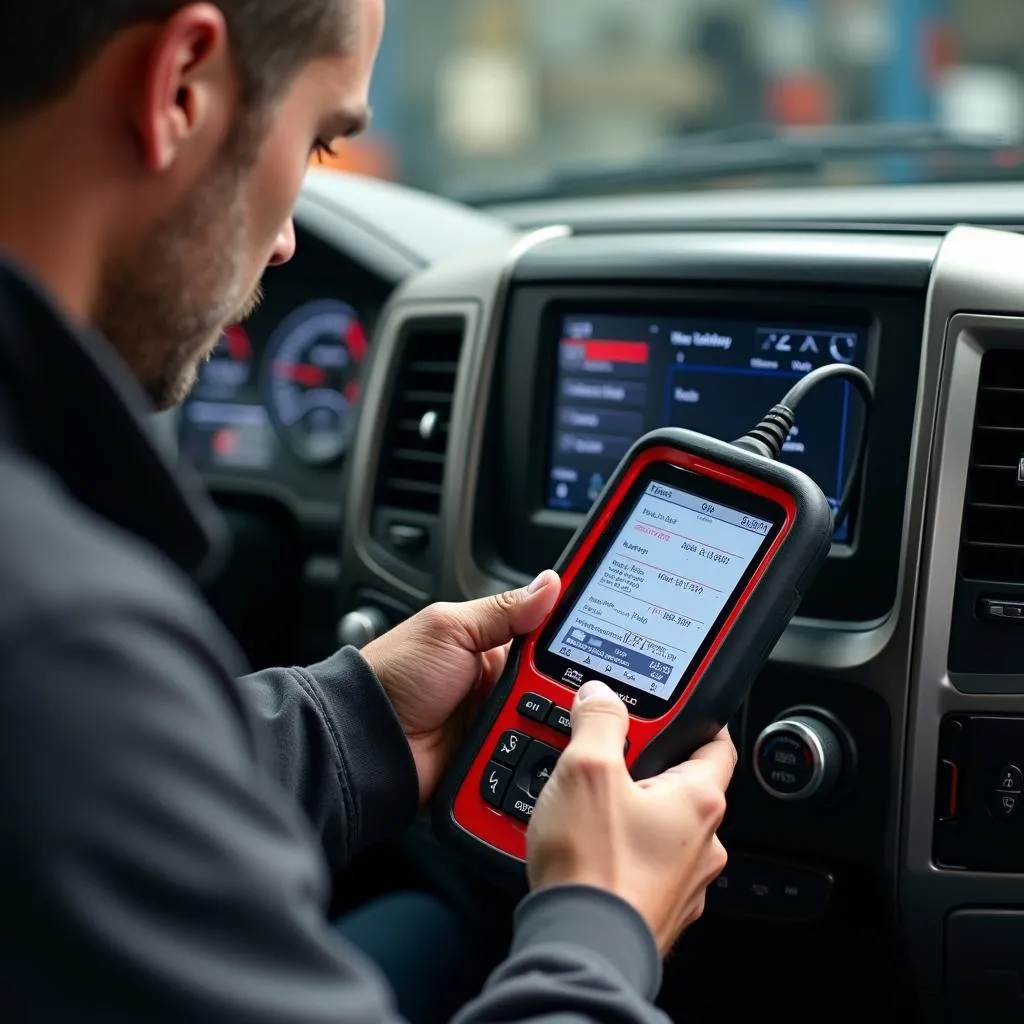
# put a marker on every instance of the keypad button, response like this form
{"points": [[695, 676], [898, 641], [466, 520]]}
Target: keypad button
{"points": [[540, 772], [560, 720], [518, 803], [494, 782], [533, 706], [535, 769], [510, 747]]}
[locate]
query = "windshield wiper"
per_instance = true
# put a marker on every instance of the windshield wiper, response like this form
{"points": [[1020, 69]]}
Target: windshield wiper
{"points": [[758, 150]]}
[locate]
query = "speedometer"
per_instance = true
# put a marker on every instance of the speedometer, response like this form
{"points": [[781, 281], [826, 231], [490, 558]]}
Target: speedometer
{"points": [[313, 367]]}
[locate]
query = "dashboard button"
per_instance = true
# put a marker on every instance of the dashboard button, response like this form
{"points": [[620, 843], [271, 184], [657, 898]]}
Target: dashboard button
{"points": [[560, 720], [494, 783], [797, 758], [407, 537], [1009, 779], [533, 706], [1004, 805], [947, 791], [361, 626], [1002, 610], [510, 747], [756, 888]]}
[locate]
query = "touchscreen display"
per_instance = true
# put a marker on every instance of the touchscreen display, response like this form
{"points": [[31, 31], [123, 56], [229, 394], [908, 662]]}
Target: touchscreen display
{"points": [[621, 376], [670, 572]]}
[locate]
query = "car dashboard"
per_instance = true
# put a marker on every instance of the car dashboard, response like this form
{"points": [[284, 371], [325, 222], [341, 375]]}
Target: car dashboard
{"points": [[433, 396]]}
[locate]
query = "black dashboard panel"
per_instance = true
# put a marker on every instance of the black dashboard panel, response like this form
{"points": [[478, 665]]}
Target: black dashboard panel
{"points": [[858, 583]]}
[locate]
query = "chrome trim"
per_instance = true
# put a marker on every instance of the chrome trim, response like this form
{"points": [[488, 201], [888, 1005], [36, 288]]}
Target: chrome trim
{"points": [[982, 272], [811, 738]]}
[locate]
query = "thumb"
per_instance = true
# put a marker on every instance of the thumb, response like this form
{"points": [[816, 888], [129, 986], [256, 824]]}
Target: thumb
{"points": [[493, 621], [599, 720]]}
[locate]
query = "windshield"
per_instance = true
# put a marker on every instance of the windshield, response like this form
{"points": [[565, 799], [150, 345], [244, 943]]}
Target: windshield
{"points": [[478, 97]]}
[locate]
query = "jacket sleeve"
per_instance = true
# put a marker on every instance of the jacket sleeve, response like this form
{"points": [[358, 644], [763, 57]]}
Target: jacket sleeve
{"points": [[155, 869], [579, 955], [339, 750]]}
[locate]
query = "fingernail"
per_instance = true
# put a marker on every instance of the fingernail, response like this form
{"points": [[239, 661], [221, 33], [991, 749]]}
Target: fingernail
{"points": [[536, 584], [589, 690]]}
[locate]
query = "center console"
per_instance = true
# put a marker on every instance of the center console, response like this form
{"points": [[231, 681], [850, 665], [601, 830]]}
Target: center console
{"points": [[879, 792], [585, 370]]}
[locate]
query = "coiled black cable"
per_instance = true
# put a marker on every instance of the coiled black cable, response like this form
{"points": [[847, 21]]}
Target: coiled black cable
{"points": [[768, 437]]}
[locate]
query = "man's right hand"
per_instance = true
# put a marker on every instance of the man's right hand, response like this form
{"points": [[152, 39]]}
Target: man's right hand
{"points": [[653, 842]]}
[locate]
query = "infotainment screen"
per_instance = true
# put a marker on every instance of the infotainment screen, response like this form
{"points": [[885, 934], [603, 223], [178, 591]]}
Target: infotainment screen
{"points": [[620, 376], [677, 558]]}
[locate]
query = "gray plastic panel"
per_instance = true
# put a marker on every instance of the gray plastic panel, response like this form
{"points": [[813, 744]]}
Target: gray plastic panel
{"points": [[934, 207], [387, 227], [816, 260], [976, 301]]}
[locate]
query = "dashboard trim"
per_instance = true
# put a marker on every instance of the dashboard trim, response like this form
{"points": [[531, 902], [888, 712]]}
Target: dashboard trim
{"points": [[938, 207], [468, 287], [798, 258], [977, 270], [473, 391]]}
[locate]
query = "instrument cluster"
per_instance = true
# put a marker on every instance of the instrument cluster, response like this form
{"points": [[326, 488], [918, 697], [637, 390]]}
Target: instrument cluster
{"points": [[273, 408]]}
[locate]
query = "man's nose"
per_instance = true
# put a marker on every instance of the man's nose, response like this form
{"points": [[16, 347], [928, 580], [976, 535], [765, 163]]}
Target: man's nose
{"points": [[284, 247]]}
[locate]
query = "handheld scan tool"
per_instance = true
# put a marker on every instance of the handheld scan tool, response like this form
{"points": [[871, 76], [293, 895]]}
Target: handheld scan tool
{"points": [[675, 589]]}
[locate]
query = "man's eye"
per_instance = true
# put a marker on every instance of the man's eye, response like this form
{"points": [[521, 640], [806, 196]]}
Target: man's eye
{"points": [[322, 149]]}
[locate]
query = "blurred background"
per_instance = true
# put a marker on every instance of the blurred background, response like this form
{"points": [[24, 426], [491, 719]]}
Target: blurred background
{"points": [[482, 98]]}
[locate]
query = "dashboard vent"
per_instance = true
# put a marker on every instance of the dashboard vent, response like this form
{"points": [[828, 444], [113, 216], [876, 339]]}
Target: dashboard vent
{"points": [[416, 439], [993, 531]]}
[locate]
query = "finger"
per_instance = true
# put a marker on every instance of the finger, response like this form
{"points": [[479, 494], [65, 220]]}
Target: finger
{"points": [[599, 720], [720, 756], [494, 621], [717, 757]]}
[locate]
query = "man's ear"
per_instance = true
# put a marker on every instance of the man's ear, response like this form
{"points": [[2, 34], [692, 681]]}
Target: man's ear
{"points": [[189, 92]]}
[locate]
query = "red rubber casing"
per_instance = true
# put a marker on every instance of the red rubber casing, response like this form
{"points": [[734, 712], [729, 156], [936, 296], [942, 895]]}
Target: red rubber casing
{"points": [[717, 686]]}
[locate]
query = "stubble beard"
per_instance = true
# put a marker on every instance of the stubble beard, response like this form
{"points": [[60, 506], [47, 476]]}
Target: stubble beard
{"points": [[164, 305]]}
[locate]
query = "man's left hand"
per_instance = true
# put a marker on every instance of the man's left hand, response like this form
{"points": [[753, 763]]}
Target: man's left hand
{"points": [[439, 665]]}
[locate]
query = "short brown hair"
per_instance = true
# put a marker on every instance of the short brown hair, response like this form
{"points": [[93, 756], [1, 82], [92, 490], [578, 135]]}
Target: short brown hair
{"points": [[45, 45]]}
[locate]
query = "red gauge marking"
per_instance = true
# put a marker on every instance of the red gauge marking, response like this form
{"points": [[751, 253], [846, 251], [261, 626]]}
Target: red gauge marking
{"points": [[351, 391], [225, 441], [301, 373], [238, 344], [355, 339]]}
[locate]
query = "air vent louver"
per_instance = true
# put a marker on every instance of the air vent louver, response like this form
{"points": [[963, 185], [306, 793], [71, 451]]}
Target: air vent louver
{"points": [[993, 530], [416, 440]]}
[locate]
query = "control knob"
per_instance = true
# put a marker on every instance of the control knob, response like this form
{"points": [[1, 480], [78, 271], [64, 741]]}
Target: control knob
{"points": [[798, 757], [362, 625]]}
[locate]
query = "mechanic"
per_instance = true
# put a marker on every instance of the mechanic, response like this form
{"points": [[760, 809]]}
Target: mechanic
{"points": [[168, 831]]}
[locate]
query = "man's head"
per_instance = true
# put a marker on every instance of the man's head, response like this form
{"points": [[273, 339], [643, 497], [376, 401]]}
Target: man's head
{"points": [[185, 130]]}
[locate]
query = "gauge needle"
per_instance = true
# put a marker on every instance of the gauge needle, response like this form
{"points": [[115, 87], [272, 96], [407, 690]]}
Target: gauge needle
{"points": [[301, 373]]}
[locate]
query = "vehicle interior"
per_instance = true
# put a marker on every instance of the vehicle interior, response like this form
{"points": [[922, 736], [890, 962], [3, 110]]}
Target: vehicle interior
{"points": [[400, 422]]}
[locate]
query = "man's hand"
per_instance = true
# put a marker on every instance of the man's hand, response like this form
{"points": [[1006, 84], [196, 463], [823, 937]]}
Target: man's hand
{"points": [[439, 665], [652, 843]]}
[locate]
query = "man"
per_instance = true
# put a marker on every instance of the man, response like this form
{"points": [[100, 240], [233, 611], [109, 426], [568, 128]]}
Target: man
{"points": [[166, 830]]}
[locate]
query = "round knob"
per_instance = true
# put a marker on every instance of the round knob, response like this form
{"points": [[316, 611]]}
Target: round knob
{"points": [[361, 626], [797, 758]]}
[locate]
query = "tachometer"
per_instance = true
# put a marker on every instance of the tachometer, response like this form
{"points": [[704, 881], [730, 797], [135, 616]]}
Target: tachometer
{"points": [[313, 366]]}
